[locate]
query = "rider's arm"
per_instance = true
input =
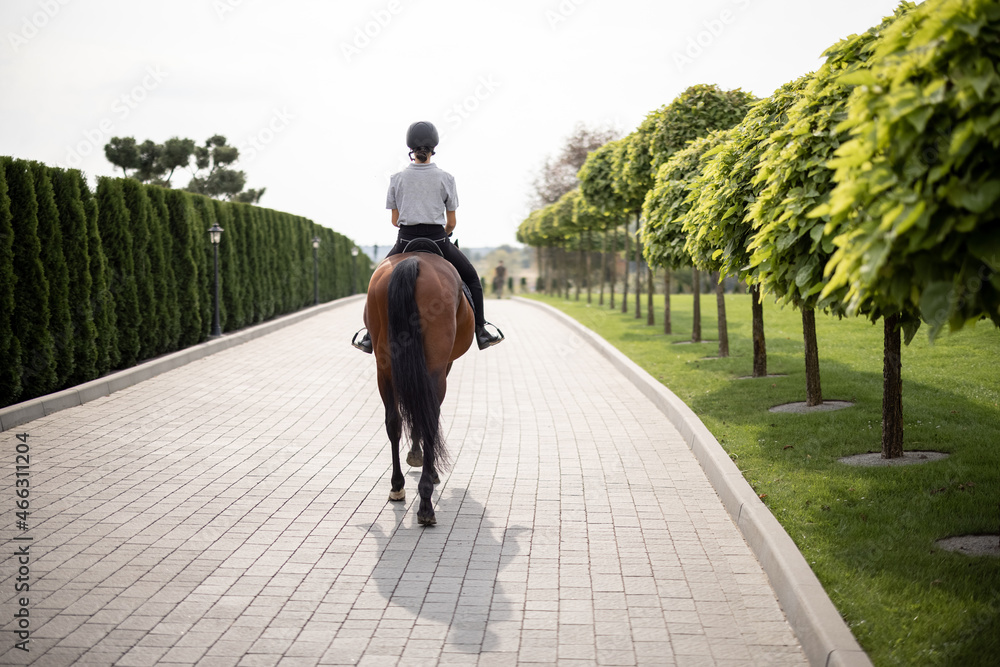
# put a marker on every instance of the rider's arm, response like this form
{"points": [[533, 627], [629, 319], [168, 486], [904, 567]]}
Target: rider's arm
{"points": [[395, 217], [450, 222]]}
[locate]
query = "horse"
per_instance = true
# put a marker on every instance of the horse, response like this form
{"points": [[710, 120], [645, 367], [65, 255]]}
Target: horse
{"points": [[420, 322]]}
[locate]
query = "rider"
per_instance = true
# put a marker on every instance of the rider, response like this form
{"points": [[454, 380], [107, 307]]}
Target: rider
{"points": [[423, 200]]}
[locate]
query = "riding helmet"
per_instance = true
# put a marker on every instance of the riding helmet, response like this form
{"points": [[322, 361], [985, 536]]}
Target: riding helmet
{"points": [[422, 135]]}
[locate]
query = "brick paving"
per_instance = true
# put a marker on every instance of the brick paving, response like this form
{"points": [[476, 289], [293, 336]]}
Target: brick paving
{"points": [[234, 512]]}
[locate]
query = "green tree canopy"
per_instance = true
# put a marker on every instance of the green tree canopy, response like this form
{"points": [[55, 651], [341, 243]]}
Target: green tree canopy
{"points": [[597, 179], [724, 190], [790, 246], [668, 203], [915, 209], [694, 113]]}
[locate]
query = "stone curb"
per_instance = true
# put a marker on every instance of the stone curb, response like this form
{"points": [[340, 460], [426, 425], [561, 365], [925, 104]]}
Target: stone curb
{"points": [[20, 413], [824, 635]]}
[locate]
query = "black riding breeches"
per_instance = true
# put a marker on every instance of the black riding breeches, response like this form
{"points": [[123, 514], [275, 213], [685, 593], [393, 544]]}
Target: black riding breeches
{"points": [[451, 253]]}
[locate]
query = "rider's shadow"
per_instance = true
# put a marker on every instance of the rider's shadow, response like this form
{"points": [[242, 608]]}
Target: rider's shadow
{"points": [[448, 579]]}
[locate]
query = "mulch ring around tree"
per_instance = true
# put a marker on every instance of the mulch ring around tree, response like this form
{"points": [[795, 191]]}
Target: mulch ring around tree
{"points": [[874, 459], [802, 408], [972, 545]]}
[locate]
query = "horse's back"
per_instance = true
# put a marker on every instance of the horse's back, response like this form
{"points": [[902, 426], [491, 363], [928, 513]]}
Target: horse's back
{"points": [[446, 318]]}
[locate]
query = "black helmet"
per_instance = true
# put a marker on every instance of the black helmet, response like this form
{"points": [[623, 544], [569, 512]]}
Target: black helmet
{"points": [[422, 135]]}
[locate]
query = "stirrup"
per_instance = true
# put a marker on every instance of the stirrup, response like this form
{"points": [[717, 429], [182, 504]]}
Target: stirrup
{"points": [[485, 343], [365, 344]]}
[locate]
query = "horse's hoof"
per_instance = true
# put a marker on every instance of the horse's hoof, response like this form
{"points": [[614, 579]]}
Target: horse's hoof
{"points": [[426, 519], [396, 496], [414, 459], [436, 479]]}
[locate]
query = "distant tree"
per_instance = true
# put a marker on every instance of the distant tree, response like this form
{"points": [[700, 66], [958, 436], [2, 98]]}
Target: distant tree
{"points": [[212, 174], [597, 185], [123, 153], [176, 153], [558, 174]]}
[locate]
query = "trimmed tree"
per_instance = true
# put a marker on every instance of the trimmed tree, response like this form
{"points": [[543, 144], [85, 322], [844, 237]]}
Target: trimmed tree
{"points": [[10, 346], [914, 211], [186, 269], [31, 287], [665, 211], [73, 224], [162, 268], [56, 273], [790, 247], [116, 236], [697, 111], [102, 301], [139, 211], [597, 185], [725, 190]]}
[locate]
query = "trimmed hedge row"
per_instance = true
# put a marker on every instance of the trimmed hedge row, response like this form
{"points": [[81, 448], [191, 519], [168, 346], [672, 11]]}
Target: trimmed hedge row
{"points": [[94, 281]]}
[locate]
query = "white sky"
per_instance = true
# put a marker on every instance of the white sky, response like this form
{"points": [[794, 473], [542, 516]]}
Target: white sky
{"points": [[327, 105]]}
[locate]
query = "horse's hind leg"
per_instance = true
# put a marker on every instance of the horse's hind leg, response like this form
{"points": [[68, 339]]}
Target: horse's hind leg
{"points": [[425, 487], [394, 429]]}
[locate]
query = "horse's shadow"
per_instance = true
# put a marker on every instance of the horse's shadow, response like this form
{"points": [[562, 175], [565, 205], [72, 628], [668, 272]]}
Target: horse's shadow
{"points": [[446, 577]]}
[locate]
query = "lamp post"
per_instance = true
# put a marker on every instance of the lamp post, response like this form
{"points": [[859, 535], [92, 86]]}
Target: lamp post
{"points": [[215, 234], [354, 269], [315, 270]]}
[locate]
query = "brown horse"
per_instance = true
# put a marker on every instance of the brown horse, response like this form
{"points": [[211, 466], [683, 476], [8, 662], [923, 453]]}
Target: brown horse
{"points": [[420, 322]]}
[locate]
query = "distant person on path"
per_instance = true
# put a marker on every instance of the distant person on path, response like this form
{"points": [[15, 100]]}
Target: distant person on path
{"points": [[423, 199], [499, 278]]}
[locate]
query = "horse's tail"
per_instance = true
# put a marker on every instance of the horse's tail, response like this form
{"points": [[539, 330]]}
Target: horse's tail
{"points": [[415, 391]]}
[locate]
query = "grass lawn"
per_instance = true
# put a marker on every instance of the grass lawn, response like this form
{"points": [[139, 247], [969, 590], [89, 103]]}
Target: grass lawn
{"points": [[869, 533]]}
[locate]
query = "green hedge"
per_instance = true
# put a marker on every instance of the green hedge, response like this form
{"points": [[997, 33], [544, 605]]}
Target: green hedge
{"points": [[93, 281]]}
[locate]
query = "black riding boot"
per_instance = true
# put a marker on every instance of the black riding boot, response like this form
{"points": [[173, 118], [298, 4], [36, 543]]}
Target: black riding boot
{"points": [[484, 338]]}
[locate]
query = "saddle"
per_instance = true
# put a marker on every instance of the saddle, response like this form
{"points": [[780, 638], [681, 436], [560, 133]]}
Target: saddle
{"points": [[430, 246]]}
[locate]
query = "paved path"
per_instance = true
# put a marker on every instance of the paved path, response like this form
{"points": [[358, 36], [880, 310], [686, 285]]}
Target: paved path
{"points": [[234, 512]]}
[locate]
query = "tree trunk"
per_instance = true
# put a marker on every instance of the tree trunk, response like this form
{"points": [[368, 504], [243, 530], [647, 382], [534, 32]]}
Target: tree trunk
{"points": [[625, 282], [613, 258], [650, 320], [579, 272], [814, 393], [720, 300], [541, 270], [666, 301], [604, 267], [696, 296], [638, 271], [892, 390], [567, 272], [564, 252], [587, 270], [759, 348]]}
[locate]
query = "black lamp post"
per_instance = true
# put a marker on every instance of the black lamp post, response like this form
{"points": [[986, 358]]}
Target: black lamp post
{"points": [[215, 233], [354, 269], [315, 270]]}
